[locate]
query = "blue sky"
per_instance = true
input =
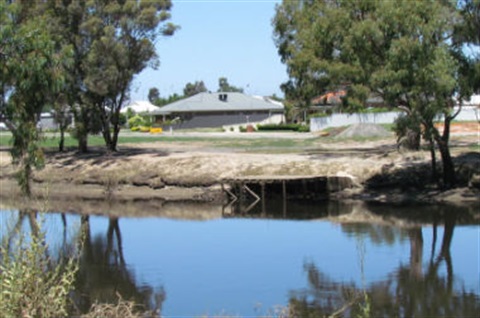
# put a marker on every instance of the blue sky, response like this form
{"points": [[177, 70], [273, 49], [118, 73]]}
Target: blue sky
{"points": [[228, 38]]}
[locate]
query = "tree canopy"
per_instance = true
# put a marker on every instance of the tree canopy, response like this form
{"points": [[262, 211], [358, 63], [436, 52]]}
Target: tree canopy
{"points": [[32, 73], [400, 51], [194, 88], [225, 87], [113, 41]]}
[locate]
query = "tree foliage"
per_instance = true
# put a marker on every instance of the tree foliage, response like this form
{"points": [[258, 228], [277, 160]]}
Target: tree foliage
{"points": [[114, 40], [32, 73], [194, 88], [153, 95], [401, 51], [158, 100], [224, 86]]}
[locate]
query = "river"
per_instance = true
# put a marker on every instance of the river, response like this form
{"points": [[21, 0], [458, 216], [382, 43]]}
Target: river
{"points": [[317, 258]]}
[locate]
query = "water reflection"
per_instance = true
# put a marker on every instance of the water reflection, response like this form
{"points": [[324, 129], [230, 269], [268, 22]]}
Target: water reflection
{"points": [[412, 260], [103, 276], [409, 291]]}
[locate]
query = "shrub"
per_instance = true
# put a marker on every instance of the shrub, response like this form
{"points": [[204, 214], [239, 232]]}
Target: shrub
{"points": [[32, 283], [124, 309], [122, 119], [319, 115], [304, 128], [136, 121], [283, 127], [135, 128], [408, 131], [375, 110]]}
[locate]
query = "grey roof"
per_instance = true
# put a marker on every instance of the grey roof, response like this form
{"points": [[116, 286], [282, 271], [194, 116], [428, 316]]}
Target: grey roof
{"points": [[211, 102]]}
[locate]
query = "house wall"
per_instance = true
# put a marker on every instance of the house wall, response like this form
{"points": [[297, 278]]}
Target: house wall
{"points": [[211, 120]]}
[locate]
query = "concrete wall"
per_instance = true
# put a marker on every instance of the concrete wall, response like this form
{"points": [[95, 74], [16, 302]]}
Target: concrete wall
{"points": [[338, 120]]}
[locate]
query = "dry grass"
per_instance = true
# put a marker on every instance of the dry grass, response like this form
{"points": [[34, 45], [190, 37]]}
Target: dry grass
{"points": [[123, 309]]}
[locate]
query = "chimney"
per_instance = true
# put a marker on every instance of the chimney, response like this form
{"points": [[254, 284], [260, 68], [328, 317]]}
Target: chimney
{"points": [[223, 97]]}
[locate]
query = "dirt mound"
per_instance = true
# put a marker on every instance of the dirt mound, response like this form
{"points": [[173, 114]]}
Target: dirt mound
{"points": [[364, 131]]}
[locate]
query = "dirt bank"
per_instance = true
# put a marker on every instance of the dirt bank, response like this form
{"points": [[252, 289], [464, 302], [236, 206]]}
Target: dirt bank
{"points": [[192, 172]]}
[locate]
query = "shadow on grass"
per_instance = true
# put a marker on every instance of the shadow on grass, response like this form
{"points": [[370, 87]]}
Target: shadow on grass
{"points": [[100, 155], [418, 176]]}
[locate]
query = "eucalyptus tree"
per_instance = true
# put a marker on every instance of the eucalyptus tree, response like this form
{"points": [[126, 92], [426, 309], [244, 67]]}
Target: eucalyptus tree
{"points": [[191, 89], [401, 51], [32, 70], [113, 41], [153, 95], [467, 37], [224, 86]]}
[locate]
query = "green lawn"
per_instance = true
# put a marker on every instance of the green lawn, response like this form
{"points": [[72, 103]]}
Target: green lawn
{"points": [[231, 142]]}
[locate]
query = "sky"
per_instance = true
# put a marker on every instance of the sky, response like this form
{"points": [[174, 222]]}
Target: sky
{"points": [[227, 38]]}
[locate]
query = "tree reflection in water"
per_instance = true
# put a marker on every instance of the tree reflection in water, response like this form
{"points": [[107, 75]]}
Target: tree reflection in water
{"points": [[104, 276], [408, 292]]}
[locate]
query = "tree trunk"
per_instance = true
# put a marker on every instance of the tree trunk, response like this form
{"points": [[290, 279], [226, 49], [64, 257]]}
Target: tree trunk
{"points": [[61, 143], [108, 138], [82, 142], [112, 121], [449, 176], [116, 131], [81, 128], [434, 160]]}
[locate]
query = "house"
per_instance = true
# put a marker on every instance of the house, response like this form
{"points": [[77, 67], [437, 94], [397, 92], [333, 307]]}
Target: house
{"points": [[140, 107], [334, 98], [329, 98], [219, 110]]}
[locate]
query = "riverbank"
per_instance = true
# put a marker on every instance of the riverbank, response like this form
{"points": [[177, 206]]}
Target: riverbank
{"points": [[191, 170]]}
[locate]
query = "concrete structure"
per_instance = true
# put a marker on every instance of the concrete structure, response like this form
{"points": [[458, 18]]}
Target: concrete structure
{"points": [[220, 110], [470, 112]]}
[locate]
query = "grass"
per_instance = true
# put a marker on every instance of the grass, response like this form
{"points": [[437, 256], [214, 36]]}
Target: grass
{"points": [[257, 144]]}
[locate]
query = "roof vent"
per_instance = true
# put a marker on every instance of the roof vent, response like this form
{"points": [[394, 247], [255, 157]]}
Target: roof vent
{"points": [[223, 97]]}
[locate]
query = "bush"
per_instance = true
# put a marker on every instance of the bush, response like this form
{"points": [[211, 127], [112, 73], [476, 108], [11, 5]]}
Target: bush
{"points": [[408, 131], [304, 128], [320, 115], [32, 283], [136, 121], [283, 127], [135, 128], [122, 119]]}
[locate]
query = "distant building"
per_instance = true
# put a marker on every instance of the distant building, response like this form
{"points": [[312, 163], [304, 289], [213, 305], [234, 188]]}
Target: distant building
{"points": [[329, 98], [220, 109], [140, 107], [334, 98]]}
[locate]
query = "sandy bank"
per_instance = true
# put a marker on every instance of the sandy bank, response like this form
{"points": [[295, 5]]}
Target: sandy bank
{"points": [[171, 172]]}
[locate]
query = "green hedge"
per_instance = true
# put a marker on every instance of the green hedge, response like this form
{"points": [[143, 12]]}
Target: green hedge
{"points": [[283, 127]]}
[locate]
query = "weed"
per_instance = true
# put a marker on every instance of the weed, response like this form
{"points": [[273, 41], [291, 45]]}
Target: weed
{"points": [[124, 309], [110, 181], [33, 284]]}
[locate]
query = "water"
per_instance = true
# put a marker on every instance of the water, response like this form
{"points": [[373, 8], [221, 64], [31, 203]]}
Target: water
{"points": [[249, 265]]}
